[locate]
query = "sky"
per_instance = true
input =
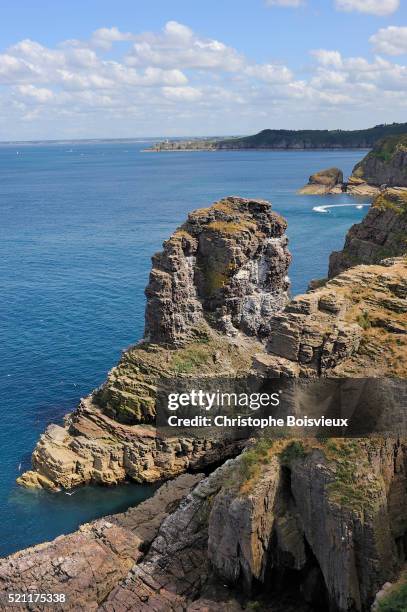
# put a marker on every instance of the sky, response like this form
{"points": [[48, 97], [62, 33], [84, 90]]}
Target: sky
{"points": [[135, 68]]}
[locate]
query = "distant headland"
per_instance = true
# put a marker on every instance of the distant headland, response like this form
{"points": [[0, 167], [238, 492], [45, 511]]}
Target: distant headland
{"points": [[288, 139]]}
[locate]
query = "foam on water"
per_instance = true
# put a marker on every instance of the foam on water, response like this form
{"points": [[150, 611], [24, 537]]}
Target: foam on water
{"points": [[324, 208]]}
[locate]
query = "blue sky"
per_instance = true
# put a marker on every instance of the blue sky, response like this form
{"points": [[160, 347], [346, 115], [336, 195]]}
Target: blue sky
{"points": [[98, 68]]}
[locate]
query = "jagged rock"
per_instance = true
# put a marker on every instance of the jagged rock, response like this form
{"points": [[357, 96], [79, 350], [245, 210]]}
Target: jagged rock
{"points": [[229, 262], [352, 540], [381, 234], [360, 188], [325, 181], [211, 295], [87, 564], [354, 325], [386, 164]]}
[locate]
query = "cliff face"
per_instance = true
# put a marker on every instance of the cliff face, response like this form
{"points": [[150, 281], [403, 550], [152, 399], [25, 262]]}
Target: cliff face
{"points": [[381, 234], [386, 164], [212, 292], [227, 264]]}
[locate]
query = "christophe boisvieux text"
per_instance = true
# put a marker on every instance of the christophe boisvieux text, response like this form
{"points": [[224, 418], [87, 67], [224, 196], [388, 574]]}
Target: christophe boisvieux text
{"points": [[206, 401]]}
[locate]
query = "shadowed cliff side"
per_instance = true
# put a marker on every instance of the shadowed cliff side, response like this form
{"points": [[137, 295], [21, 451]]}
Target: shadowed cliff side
{"points": [[386, 164], [381, 234]]}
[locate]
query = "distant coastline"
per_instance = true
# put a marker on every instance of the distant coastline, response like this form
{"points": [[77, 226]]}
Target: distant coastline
{"points": [[284, 140]]}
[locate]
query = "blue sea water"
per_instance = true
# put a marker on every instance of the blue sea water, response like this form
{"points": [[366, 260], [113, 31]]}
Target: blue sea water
{"points": [[78, 225]]}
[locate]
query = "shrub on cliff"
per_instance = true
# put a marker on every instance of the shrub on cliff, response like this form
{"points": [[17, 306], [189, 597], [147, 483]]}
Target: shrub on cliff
{"points": [[396, 600]]}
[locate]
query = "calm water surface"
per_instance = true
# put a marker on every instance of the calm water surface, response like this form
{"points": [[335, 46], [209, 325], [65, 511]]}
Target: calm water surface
{"points": [[78, 225]]}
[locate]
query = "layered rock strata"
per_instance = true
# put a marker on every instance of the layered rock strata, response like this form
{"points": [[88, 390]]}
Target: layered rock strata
{"points": [[355, 325], [381, 234], [211, 295], [324, 518], [92, 448], [227, 263]]}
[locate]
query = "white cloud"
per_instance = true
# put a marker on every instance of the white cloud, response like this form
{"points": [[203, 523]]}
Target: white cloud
{"points": [[356, 73], [105, 37], [176, 80], [187, 94], [40, 94], [270, 73], [391, 40], [374, 7], [177, 46], [288, 3], [328, 58]]}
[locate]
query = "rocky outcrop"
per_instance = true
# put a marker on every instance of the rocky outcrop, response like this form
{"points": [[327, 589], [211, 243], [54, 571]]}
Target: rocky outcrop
{"points": [[240, 529], [381, 234], [228, 263], [325, 181], [86, 565], [353, 326], [211, 295], [324, 517], [386, 164], [176, 568]]}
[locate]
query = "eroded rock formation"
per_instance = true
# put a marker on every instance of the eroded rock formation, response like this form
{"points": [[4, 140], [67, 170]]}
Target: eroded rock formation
{"points": [[316, 524], [355, 325], [212, 292], [88, 564], [227, 263], [384, 166]]}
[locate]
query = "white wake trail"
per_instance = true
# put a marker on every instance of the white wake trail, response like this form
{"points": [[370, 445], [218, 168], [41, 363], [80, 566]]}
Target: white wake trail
{"points": [[324, 208]]}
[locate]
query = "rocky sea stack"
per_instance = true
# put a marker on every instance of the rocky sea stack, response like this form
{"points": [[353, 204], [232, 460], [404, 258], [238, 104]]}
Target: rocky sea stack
{"points": [[212, 292], [227, 265]]}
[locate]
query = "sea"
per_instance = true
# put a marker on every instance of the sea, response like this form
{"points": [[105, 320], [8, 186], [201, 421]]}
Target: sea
{"points": [[79, 223]]}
